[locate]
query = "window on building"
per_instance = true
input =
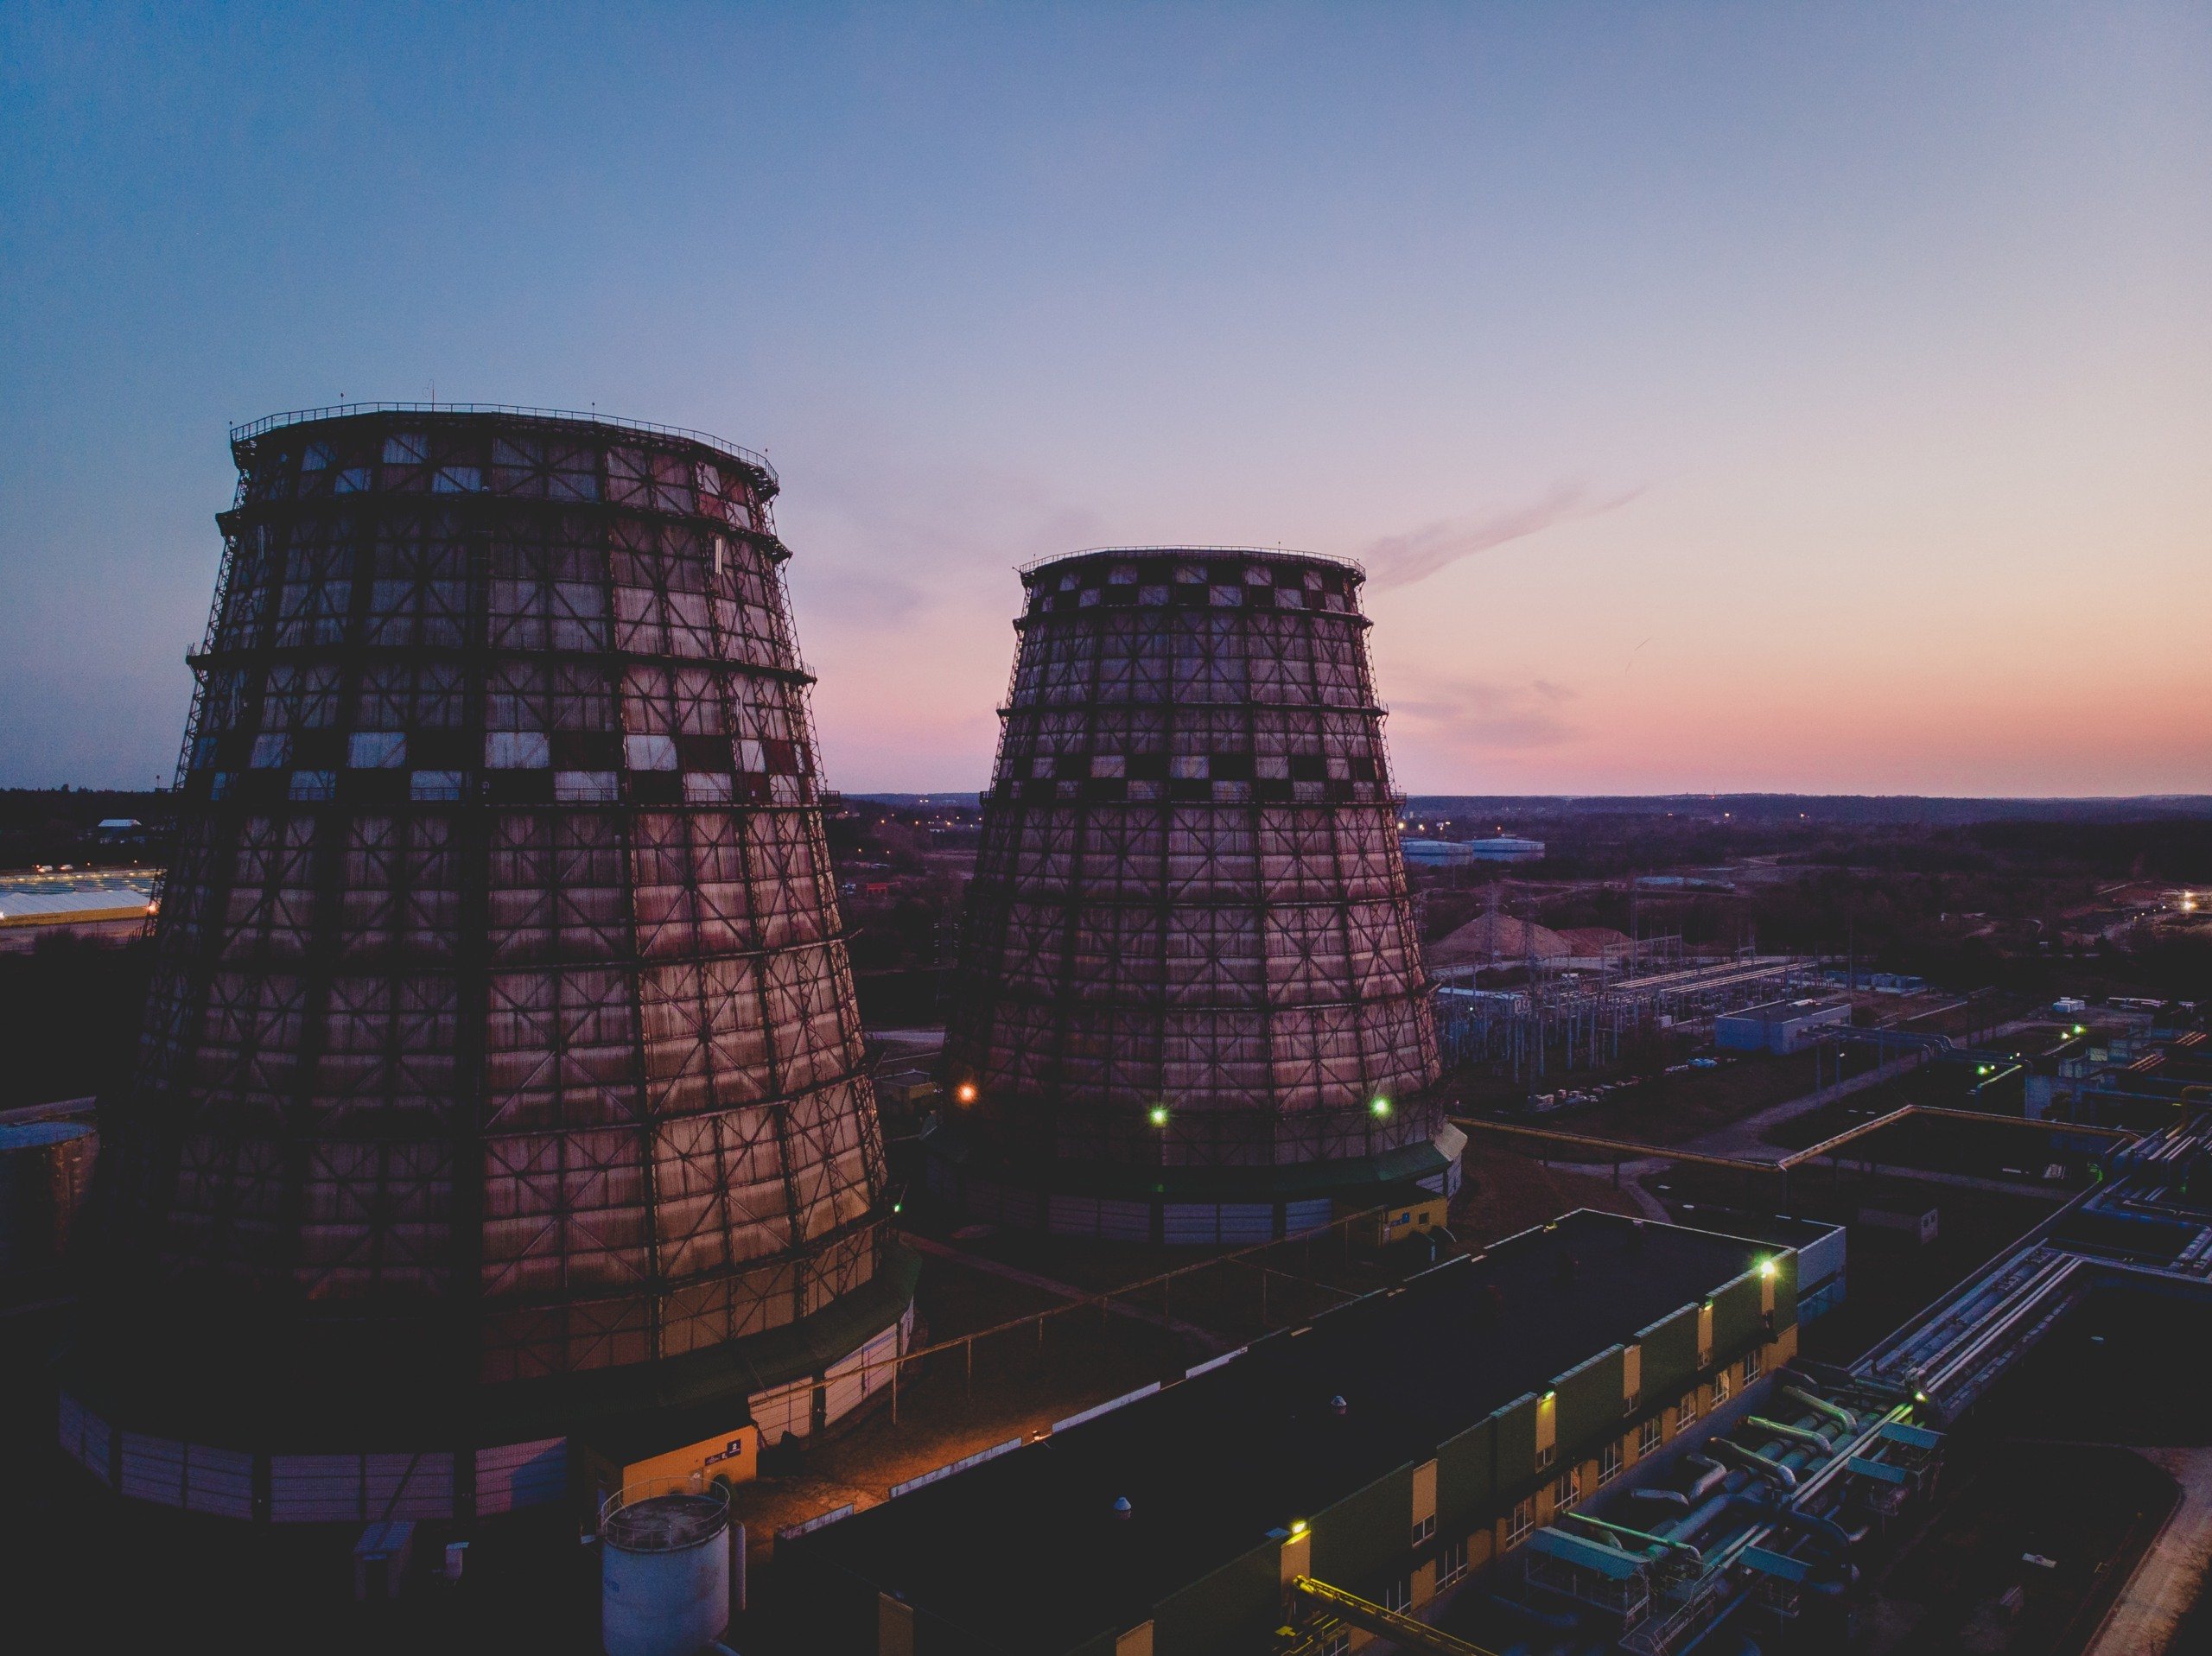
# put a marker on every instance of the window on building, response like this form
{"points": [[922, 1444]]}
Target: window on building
{"points": [[1754, 1364], [1609, 1463], [1399, 1595], [1567, 1489], [1423, 1528], [1629, 1403], [1686, 1411], [1546, 1455], [1647, 1436], [1719, 1388], [1522, 1521], [1452, 1563]]}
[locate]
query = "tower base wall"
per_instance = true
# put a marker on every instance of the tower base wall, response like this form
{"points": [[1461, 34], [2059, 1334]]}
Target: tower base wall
{"points": [[1187, 1206], [793, 1382]]}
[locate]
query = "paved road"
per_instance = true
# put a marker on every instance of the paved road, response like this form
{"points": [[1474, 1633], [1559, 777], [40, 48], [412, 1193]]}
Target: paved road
{"points": [[2150, 1608], [1746, 1138]]}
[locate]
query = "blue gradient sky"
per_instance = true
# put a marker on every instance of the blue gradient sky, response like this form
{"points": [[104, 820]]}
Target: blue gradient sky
{"points": [[1724, 397]]}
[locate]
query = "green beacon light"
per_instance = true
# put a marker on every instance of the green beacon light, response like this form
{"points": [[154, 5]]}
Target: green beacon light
{"points": [[1159, 1113], [1381, 1106]]}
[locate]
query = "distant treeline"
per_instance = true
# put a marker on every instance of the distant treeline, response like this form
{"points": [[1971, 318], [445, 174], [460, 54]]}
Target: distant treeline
{"points": [[1857, 809]]}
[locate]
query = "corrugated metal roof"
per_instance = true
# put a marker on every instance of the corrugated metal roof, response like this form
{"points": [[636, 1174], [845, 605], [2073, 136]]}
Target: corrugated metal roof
{"points": [[54, 899]]}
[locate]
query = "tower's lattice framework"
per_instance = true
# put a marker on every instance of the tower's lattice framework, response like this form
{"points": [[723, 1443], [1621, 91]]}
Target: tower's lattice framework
{"points": [[1189, 972], [501, 1043]]}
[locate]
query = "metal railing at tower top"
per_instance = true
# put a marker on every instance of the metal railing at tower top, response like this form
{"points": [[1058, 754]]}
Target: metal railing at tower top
{"points": [[247, 434], [1337, 558]]}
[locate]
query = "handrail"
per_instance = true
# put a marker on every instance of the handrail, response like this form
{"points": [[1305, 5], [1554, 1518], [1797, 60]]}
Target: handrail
{"points": [[1410, 1632], [340, 411], [1035, 564]]}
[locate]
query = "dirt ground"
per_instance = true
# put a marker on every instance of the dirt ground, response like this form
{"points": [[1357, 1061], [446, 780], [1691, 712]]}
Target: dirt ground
{"points": [[1504, 1193]]}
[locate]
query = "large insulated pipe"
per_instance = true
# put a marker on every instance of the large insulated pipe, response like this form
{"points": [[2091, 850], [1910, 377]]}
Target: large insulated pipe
{"points": [[1811, 1440], [1644, 1536], [1789, 1518], [1752, 1460], [1834, 1412], [1706, 1514], [1708, 1480]]}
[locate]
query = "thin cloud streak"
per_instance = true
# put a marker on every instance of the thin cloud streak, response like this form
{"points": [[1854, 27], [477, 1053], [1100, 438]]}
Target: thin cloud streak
{"points": [[1402, 560], [1475, 716]]}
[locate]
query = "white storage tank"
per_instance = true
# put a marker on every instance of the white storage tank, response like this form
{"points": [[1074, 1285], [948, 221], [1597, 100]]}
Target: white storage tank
{"points": [[664, 1568]]}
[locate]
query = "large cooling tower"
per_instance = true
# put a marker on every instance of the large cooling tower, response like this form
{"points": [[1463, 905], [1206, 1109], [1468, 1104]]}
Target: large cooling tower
{"points": [[1190, 1004], [501, 1071]]}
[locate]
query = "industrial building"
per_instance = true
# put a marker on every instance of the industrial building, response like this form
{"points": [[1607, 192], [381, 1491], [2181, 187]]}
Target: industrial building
{"points": [[1780, 1025], [1189, 1004], [2130, 1072], [1572, 1012], [501, 1079], [76, 898], [1354, 1474]]}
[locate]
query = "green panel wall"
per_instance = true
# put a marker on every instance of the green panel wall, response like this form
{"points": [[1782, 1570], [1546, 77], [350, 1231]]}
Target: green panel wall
{"points": [[1589, 1405], [1466, 1476], [1362, 1540], [1785, 1293], [1670, 1354], [1737, 1316], [1226, 1610], [1516, 1446]]}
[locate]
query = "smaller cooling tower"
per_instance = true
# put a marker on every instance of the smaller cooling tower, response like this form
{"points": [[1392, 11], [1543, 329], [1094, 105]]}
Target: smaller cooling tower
{"points": [[1190, 1005]]}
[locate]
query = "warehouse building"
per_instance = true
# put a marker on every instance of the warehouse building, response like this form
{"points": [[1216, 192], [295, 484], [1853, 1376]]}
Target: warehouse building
{"points": [[1394, 1450]]}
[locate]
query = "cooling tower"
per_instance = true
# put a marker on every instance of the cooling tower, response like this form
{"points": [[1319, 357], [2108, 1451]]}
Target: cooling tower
{"points": [[1190, 1005], [501, 1071]]}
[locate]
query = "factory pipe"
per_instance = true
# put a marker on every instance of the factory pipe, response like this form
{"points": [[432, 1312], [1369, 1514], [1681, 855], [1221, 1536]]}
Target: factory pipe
{"points": [[1646, 1536], [1793, 1434], [1710, 1478], [1752, 1460], [1834, 1412], [1812, 1524], [1706, 1514]]}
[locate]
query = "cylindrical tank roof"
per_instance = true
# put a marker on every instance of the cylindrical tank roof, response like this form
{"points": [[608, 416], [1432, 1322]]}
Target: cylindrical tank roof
{"points": [[1037, 566], [244, 437]]}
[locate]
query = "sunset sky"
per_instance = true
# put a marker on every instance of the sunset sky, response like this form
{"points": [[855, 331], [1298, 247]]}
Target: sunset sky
{"points": [[1722, 397]]}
